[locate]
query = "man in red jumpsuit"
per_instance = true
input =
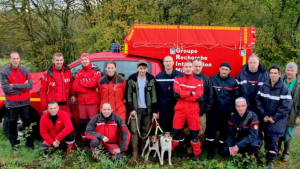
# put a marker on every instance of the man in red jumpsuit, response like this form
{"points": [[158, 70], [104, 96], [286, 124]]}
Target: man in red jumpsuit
{"points": [[85, 85], [56, 85], [56, 126], [188, 89]]}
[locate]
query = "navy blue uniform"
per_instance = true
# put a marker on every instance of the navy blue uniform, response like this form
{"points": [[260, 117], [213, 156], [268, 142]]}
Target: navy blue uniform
{"points": [[243, 132], [275, 102], [166, 98], [246, 84], [225, 93], [207, 98]]}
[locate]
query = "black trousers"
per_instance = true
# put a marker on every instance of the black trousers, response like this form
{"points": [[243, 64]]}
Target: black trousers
{"points": [[13, 114], [215, 123]]}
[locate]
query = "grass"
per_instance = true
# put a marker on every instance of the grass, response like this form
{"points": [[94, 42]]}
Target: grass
{"points": [[24, 158]]}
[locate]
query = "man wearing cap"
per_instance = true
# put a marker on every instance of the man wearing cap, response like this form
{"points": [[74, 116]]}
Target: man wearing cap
{"points": [[167, 101], [56, 85], [85, 85], [141, 100], [225, 90]]}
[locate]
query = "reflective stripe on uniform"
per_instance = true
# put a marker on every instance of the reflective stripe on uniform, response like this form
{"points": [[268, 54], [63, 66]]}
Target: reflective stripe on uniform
{"points": [[165, 80], [187, 86], [274, 97], [241, 82]]}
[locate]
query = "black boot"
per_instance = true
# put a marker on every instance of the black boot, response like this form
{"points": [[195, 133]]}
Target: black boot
{"points": [[210, 149], [286, 152], [197, 158]]}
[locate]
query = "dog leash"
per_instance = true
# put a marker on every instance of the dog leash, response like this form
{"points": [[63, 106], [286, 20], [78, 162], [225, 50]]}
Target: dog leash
{"points": [[131, 117], [157, 127]]}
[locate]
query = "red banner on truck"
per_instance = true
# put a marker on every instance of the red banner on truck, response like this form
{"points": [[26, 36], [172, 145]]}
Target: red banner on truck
{"points": [[213, 44]]}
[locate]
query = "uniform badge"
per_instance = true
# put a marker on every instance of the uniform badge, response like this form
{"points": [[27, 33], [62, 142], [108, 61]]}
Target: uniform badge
{"points": [[256, 127], [149, 88]]}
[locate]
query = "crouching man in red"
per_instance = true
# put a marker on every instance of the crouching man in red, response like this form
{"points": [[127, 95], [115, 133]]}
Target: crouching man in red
{"points": [[106, 128], [188, 90], [55, 126]]}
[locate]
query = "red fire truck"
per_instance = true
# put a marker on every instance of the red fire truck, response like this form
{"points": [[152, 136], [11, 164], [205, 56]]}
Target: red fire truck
{"points": [[213, 44]]}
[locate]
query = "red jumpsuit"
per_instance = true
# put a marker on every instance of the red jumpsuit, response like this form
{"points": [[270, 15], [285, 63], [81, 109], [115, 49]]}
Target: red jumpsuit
{"points": [[187, 109]]}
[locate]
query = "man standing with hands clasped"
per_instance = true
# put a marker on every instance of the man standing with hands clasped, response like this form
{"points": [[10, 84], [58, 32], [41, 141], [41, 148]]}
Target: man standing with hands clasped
{"points": [[274, 102]]}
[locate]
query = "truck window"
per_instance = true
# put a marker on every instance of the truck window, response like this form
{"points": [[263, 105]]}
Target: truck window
{"points": [[76, 68], [128, 67]]}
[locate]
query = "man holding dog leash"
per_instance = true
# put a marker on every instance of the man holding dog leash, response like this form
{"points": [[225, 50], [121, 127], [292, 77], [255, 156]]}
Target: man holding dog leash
{"points": [[141, 100]]}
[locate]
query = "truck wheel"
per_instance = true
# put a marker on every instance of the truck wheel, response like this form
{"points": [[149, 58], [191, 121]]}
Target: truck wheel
{"points": [[5, 127]]}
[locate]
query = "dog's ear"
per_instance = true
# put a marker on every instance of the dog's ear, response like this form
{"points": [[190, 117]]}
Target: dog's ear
{"points": [[158, 137]]}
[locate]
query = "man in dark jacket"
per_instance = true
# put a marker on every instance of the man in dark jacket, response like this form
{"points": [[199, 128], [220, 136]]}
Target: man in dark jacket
{"points": [[107, 129], [243, 131], [165, 94], [292, 80], [225, 92], [250, 79], [142, 104], [274, 102], [16, 83], [207, 98]]}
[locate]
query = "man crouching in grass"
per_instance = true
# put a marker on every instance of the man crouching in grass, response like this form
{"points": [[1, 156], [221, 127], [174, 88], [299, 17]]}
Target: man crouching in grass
{"points": [[55, 126], [107, 129]]}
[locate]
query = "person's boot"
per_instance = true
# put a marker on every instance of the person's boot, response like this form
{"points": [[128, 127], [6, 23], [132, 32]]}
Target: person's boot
{"points": [[85, 142], [221, 146], [134, 145], [270, 164], [197, 158], [95, 154], [210, 149], [279, 146], [179, 150], [71, 147], [286, 152]]}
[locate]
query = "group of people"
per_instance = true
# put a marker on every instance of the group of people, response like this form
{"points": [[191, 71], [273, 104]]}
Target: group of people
{"points": [[256, 106]]}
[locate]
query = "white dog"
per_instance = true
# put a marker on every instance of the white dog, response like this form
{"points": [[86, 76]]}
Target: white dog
{"points": [[166, 145], [153, 144]]}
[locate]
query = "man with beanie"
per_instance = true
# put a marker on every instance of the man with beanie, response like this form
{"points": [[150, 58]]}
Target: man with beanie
{"points": [[225, 90], [142, 104], [274, 103], [56, 85], [85, 85], [106, 128], [188, 90], [56, 126]]}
